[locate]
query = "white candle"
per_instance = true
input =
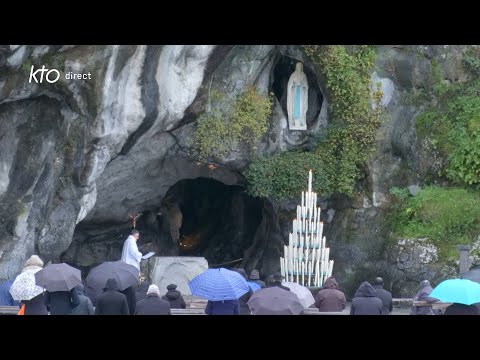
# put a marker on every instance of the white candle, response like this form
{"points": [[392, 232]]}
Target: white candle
{"points": [[327, 255], [310, 181], [281, 266], [303, 273]]}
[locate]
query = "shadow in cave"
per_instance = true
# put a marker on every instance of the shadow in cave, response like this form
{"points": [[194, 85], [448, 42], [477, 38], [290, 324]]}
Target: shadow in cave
{"points": [[204, 217]]}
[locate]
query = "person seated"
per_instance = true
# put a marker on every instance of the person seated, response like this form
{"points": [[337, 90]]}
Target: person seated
{"points": [[384, 295], [424, 295], [141, 288], [111, 301], [461, 309], [152, 304], [223, 307], [366, 301], [174, 297], [329, 298], [255, 277]]}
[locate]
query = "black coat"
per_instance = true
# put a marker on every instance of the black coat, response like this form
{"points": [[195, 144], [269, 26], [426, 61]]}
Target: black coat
{"points": [[111, 302], [131, 298], [35, 306], [141, 290], [366, 301], [153, 305], [82, 305], [59, 302], [242, 300], [225, 307], [461, 309], [175, 298], [386, 297]]}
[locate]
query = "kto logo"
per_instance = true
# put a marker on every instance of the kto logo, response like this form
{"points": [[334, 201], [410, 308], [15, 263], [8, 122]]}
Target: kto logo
{"points": [[51, 78]]}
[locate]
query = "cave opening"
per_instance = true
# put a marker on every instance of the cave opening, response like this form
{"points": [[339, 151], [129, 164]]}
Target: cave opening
{"points": [[204, 217], [284, 67]]}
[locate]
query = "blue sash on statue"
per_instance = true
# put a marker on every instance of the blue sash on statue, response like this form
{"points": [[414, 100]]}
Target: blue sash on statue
{"points": [[296, 102]]}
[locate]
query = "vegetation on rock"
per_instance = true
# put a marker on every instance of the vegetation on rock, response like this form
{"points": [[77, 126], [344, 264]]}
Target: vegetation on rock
{"points": [[349, 139]]}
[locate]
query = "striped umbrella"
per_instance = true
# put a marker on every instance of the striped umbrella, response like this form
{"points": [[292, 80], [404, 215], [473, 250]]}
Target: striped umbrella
{"points": [[219, 284]]}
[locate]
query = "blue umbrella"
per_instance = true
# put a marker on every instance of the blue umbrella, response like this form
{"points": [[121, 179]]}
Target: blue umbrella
{"points": [[253, 286], [219, 284], [461, 291]]}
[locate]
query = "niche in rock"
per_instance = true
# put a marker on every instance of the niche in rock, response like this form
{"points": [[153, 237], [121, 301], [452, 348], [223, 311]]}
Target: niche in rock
{"points": [[284, 67]]}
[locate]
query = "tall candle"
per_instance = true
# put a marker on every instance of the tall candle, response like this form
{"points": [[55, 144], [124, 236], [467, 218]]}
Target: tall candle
{"points": [[303, 273], [310, 181], [281, 266]]}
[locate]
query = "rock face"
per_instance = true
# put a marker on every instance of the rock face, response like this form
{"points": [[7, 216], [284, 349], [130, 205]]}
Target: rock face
{"points": [[78, 156], [168, 270]]}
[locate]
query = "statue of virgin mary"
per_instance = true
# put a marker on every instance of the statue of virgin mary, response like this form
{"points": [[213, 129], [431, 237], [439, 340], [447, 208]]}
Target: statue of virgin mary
{"points": [[297, 99]]}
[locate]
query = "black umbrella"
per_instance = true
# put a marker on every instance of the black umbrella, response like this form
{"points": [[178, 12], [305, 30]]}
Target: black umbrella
{"points": [[473, 275], [125, 274], [58, 277]]}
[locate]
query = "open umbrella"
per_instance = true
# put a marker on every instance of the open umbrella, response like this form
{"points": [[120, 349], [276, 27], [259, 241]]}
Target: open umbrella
{"points": [[125, 274], [253, 286], [275, 301], [461, 291], [24, 286], [219, 284], [58, 277], [304, 294]]}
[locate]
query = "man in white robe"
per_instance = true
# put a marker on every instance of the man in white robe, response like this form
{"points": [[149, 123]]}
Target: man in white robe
{"points": [[130, 253]]}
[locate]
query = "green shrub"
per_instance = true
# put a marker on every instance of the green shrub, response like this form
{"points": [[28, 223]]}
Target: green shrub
{"points": [[471, 60], [453, 127], [283, 176], [230, 124], [446, 216]]}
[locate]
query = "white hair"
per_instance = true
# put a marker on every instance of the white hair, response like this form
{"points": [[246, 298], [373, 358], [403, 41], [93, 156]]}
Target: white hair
{"points": [[153, 289]]}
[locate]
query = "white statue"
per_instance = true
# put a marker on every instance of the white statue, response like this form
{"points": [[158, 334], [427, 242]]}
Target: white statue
{"points": [[297, 99]]}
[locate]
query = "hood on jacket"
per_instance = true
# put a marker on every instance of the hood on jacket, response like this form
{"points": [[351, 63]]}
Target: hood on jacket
{"points": [[79, 289], [76, 292], [172, 294], [330, 283], [424, 284], [111, 285], [366, 290]]}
